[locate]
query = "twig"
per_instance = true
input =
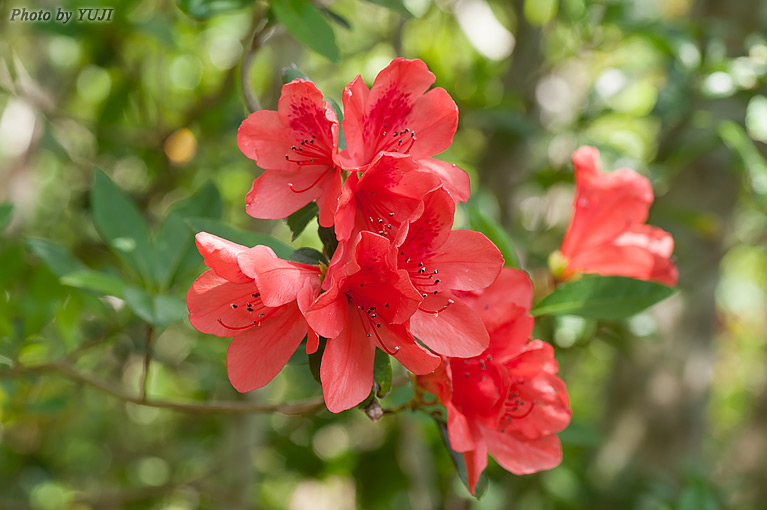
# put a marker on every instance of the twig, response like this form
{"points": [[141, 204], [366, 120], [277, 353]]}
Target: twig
{"points": [[260, 35], [147, 359], [224, 407]]}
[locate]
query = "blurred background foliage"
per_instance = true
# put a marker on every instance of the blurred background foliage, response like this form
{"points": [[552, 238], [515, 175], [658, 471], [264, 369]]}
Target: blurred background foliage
{"points": [[97, 360]]}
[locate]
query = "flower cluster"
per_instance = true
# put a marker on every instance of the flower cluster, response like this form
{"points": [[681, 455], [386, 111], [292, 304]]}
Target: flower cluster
{"points": [[400, 279]]}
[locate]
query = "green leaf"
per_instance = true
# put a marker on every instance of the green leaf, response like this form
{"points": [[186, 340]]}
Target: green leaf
{"points": [[460, 463], [315, 359], [121, 225], [204, 9], [602, 297], [58, 259], [298, 221], [95, 281], [238, 235], [308, 256], [307, 24], [291, 73], [157, 309], [336, 18], [6, 214], [495, 232], [174, 241], [382, 373], [698, 497], [329, 241], [397, 6]]}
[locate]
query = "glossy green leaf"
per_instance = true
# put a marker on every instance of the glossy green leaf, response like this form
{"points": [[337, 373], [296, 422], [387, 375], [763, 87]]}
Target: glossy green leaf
{"points": [[204, 9], [238, 235], [382, 373], [95, 281], [460, 463], [495, 232], [298, 221], [329, 241], [602, 297], [6, 214], [307, 24], [121, 225], [174, 241], [159, 310], [59, 260], [315, 359], [308, 256], [291, 73]]}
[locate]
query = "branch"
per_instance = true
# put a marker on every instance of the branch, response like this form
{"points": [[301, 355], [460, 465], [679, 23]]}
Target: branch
{"points": [[224, 407], [260, 35]]}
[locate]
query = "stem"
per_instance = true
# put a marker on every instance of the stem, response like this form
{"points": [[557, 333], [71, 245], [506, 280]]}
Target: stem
{"points": [[260, 35], [147, 359], [307, 406]]}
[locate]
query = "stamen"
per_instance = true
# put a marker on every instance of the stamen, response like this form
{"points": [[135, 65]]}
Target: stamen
{"points": [[310, 186], [235, 328]]}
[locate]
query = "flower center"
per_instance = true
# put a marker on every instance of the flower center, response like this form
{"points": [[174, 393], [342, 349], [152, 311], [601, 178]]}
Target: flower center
{"points": [[307, 152], [369, 316], [396, 141]]}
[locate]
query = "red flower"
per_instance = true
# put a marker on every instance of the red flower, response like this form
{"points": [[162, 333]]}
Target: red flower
{"points": [[296, 146], [508, 401], [607, 234], [440, 260], [366, 308], [397, 114], [257, 298]]}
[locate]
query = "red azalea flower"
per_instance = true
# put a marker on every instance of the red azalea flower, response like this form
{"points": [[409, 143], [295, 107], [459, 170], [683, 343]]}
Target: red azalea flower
{"points": [[257, 298], [508, 401], [440, 260], [607, 234], [367, 308], [400, 114], [296, 146]]}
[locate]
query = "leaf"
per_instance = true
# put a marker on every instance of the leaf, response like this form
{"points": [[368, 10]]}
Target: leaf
{"points": [[602, 297], [58, 259], [238, 235], [174, 241], [307, 24], [315, 360], [293, 73], [121, 225], [336, 18], [308, 256], [157, 309], [698, 496], [298, 221], [6, 214], [382, 373], [496, 233], [329, 241], [340, 117], [204, 9], [397, 6], [95, 281], [460, 463]]}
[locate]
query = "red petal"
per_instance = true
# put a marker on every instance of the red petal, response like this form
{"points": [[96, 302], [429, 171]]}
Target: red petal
{"points": [[453, 178], [434, 119], [209, 300], [354, 98], [258, 354], [272, 198], [221, 256], [459, 430], [476, 462], [510, 296], [508, 339], [347, 370], [278, 280], [328, 314], [457, 331], [467, 261], [264, 139], [523, 457], [410, 353]]}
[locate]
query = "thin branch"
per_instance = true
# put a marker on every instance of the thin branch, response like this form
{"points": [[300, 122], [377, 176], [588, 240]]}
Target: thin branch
{"points": [[260, 34], [147, 359], [224, 407]]}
